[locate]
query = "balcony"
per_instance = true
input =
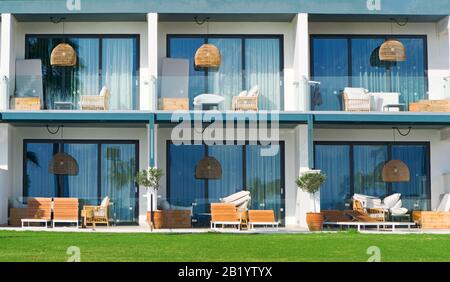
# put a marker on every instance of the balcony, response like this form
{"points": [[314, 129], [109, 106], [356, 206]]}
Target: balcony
{"points": [[233, 91], [380, 93]]}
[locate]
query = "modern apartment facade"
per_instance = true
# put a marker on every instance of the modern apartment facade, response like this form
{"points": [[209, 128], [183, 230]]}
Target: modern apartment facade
{"points": [[300, 54]]}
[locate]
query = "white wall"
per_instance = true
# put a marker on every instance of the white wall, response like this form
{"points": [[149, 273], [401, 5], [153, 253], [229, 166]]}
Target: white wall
{"points": [[135, 28], [440, 150], [291, 172], [119, 133], [438, 54], [5, 171], [272, 28]]}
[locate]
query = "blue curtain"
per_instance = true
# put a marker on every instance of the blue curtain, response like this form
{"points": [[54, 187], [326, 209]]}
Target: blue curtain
{"points": [[367, 70], [38, 182], [415, 193], [63, 84], [230, 158], [118, 67], [118, 169], [264, 179], [185, 189], [368, 162], [227, 80], [334, 162], [84, 184], [409, 77], [330, 67], [262, 68], [185, 48]]}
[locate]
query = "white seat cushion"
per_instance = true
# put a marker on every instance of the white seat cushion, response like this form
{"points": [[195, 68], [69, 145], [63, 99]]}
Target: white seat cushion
{"points": [[397, 205], [235, 196], [399, 211], [356, 93], [208, 99]]}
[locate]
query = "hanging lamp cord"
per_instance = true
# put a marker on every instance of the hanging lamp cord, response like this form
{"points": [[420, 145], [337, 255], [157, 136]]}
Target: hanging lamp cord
{"points": [[404, 134]]}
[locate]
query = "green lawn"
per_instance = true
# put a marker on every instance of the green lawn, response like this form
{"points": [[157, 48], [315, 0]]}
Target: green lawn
{"points": [[52, 246]]}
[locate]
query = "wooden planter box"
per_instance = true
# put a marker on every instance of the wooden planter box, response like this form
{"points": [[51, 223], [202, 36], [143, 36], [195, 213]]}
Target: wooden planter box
{"points": [[16, 215], [430, 106], [171, 219], [174, 104], [26, 103], [432, 220]]}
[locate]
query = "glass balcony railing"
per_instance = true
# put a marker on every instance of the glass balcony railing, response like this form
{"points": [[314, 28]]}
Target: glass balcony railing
{"points": [[375, 93], [89, 92], [221, 91]]}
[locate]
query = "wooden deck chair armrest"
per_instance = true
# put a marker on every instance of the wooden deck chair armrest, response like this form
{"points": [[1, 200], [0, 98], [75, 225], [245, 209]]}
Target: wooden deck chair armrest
{"points": [[247, 99]]}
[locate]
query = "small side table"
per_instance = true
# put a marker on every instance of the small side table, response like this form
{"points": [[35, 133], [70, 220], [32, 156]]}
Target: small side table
{"points": [[388, 107], [60, 105], [401, 218]]}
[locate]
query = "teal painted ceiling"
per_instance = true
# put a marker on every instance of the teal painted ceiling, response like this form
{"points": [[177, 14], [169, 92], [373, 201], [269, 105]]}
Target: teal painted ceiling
{"points": [[339, 7]]}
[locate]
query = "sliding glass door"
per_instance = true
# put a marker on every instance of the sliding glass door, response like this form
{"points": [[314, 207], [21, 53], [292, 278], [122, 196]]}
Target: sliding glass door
{"points": [[356, 168], [243, 168], [246, 61], [339, 61], [102, 60], [104, 169]]}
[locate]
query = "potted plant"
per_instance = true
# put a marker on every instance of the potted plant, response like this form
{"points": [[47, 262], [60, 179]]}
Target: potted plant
{"points": [[310, 182], [149, 179]]}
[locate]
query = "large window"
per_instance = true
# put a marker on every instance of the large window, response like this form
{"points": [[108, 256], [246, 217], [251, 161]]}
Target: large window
{"points": [[105, 168], [105, 60], [246, 61], [243, 168], [356, 168], [352, 61]]}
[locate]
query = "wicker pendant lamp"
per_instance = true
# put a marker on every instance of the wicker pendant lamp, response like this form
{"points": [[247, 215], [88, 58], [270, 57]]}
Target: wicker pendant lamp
{"points": [[208, 168], [62, 163], [208, 55], [392, 50], [396, 170], [63, 55]]}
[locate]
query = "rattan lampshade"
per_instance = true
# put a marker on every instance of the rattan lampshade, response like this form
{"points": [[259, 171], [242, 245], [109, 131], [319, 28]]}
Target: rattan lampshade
{"points": [[208, 56], [208, 168], [395, 171], [63, 55], [64, 164], [392, 50]]}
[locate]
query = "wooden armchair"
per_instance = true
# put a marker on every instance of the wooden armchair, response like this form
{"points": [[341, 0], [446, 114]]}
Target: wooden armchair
{"points": [[247, 102], [96, 102], [378, 214], [96, 214]]}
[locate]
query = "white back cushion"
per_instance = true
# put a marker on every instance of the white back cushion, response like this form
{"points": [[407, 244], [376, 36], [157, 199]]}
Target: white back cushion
{"points": [[391, 200], [356, 93], [254, 91]]}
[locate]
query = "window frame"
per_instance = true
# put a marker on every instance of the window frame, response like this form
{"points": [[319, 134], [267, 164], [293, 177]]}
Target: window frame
{"points": [[280, 38], [100, 37]]}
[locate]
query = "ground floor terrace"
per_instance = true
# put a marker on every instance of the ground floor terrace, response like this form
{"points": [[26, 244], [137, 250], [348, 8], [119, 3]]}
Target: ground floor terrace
{"points": [[109, 149]]}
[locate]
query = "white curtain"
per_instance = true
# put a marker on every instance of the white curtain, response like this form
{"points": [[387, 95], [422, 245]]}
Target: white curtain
{"points": [[118, 71]]}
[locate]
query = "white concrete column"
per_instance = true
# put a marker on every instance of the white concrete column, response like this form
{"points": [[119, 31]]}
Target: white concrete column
{"points": [[301, 62], [304, 201], [7, 59], [439, 78], [152, 23]]}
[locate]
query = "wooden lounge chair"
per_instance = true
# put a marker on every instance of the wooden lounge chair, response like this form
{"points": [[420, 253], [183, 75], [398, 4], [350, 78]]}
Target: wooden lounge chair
{"points": [[377, 214], [65, 210], [224, 214], [336, 216], [96, 214], [96, 102], [39, 210], [262, 218]]}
